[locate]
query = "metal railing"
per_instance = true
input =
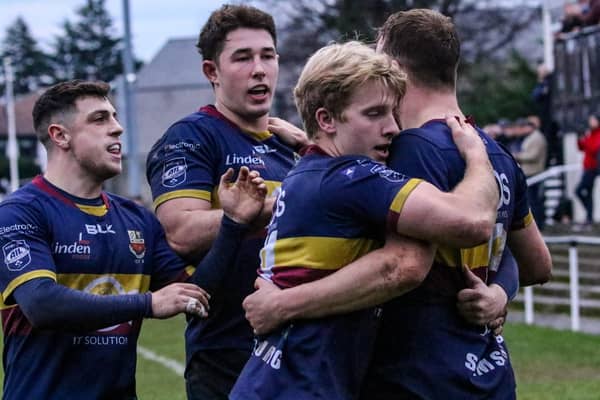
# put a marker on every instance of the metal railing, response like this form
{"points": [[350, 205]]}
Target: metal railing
{"points": [[573, 241]]}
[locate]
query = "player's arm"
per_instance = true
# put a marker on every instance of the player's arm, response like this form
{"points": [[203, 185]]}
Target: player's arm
{"points": [[289, 133], [398, 267], [463, 217], [190, 225], [242, 202], [50, 306], [532, 255]]}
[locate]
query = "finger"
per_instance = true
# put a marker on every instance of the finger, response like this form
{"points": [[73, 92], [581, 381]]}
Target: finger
{"points": [[471, 280], [226, 177], [467, 295], [243, 174], [253, 174], [454, 123]]}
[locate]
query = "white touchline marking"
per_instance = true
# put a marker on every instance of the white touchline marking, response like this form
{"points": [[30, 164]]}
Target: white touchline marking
{"points": [[168, 363]]}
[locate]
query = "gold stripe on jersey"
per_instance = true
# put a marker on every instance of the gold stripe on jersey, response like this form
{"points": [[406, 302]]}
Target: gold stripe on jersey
{"points": [[271, 187], [190, 269], [12, 285], [403, 193], [319, 252], [528, 219], [260, 136], [98, 211], [191, 193], [104, 284]]}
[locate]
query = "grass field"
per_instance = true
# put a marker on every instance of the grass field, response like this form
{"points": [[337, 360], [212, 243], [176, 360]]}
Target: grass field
{"points": [[549, 364]]}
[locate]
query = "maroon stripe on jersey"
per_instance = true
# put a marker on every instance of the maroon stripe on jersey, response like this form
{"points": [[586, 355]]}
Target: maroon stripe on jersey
{"points": [[14, 322], [286, 277], [41, 184]]}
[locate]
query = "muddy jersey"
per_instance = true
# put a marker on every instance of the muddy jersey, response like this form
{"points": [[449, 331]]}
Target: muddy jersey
{"points": [[425, 349], [329, 212], [117, 247], [187, 162]]}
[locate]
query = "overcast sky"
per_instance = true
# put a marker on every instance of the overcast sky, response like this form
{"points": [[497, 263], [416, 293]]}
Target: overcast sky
{"points": [[153, 22]]}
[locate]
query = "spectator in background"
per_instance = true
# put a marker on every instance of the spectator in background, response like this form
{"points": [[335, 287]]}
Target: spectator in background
{"points": [[542, 98], [592, 16], [572, 19], [590, 145], [532, 157]]}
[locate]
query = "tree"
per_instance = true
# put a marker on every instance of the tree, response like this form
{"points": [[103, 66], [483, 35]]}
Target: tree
{"points": [[30, 64], [485, 30], [88, 48]]}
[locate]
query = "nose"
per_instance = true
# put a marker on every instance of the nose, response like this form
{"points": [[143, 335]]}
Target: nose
{"points": [[390, 127], [258, 71], [117, 129]]}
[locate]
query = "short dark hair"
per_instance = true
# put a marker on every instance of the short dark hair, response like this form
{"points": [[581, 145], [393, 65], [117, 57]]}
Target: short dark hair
{"points": [[425, 43], [61, 98], [211, 40]]}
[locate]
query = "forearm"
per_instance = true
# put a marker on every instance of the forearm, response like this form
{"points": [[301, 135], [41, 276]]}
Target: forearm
{"points": [[50, 306], [191, 233], [217, 263], [373, 279]]}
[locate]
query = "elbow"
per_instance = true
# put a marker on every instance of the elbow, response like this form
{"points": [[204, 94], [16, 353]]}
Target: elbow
{"points": [[181, 247], [401, 275]]}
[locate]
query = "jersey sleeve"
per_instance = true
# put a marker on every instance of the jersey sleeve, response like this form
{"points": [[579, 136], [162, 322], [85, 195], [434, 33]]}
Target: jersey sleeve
{"points": [[367, 190], [183, 163], [26, 253], [413, 155], [522, 214]]}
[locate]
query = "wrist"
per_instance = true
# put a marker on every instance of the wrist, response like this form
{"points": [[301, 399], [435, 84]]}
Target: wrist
{"points": [[234, 223], [500, 295], [148, 313]]}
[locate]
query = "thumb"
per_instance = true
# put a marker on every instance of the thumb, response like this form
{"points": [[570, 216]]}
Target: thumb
{"points": [[259, 282], [471, 280], [226, 178]]}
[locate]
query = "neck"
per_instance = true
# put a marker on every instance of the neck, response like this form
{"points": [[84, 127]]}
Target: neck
{"points": [[420, 105], [259, 124], [72, 180], [325, 143]]}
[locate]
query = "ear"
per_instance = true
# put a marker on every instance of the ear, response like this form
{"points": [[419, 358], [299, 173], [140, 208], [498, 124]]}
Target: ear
{"points": [[325, 120], [209, 68], [59, 136]]}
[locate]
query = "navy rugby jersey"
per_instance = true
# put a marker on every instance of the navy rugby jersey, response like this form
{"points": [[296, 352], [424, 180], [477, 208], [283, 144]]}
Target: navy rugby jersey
{"points": [[424, 347], [329, 212], [188, 161], [115, 248]]}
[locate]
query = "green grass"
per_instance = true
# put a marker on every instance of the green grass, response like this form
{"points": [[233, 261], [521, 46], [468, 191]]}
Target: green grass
{"points": [[549, 364]]}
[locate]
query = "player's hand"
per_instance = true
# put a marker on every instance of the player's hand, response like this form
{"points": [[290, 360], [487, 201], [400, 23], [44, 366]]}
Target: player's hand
{"points": [[178, 298], [264, 217], [242, 200], [261, 307], [479, 303], [467, 140], [289, 133], [497, 325]]}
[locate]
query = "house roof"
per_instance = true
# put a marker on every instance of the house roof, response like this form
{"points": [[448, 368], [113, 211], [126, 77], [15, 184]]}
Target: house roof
{"points": [[23, 119], [177, 64]]}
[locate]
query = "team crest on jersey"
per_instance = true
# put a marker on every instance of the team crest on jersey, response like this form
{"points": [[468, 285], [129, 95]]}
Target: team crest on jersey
{"points": [[174, 172], [137, 246], [17, 255], [387, 174]]}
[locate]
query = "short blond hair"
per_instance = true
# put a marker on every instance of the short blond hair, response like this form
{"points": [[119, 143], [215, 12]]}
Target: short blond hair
{"points": [[332, 75]]}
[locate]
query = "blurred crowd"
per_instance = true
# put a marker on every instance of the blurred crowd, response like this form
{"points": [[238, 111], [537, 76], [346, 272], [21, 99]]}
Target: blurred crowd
{"points": [[577, 15]]}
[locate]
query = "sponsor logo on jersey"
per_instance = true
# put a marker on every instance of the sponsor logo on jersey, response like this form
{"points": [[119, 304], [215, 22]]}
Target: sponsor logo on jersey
{"points": [[174, 172], [349, 172], [387, 174], [80, 249], [250, 160], [97, 229], [137, 246], [182, 147], [264, 149], [17, 255], [21, 228]]}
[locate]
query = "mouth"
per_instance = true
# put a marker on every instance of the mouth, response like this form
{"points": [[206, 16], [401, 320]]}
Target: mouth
{"points": [[259, 92], [382, 150], [114, 149]]}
